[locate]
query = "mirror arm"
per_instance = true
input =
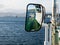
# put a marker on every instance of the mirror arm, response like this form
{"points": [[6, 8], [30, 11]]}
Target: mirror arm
{"points": [[46, 42], [47, 33]]}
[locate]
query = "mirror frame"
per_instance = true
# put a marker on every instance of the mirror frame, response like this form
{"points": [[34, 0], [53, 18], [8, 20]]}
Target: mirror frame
{"points": [[27, 12]]}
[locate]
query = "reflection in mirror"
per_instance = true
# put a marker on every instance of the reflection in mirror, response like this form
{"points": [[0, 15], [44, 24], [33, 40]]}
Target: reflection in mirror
{"points": [[39, 14], [33, 20], [31, 7]]}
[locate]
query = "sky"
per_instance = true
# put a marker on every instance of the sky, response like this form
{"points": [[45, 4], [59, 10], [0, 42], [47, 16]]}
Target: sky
{"points": [[12, 5]]}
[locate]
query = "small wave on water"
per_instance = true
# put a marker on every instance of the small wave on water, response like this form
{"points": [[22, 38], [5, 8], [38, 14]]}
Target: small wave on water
{"points": [[13, 33]]}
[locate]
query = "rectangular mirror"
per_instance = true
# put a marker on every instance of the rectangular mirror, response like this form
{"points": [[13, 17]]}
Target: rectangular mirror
{"points": [[34, 16]]}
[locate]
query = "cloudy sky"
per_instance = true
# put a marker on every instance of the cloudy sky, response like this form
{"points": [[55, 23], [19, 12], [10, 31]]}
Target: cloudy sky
{"points": [[9, 5]]}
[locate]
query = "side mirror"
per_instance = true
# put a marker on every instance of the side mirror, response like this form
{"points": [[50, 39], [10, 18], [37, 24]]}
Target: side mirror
{"points": [[34, 17]]}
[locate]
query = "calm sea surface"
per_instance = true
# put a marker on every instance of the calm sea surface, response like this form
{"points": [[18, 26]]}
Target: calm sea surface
{"points": [[12, 32]]}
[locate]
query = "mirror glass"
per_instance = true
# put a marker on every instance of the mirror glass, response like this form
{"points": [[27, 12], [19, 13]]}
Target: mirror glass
{"points": [[33, 20]]}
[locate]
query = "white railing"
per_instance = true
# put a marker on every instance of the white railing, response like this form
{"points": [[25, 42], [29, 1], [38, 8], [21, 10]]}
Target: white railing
{"points": [[47, 38]]}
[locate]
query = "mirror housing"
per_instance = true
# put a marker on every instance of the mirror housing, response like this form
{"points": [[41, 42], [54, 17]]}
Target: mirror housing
{"points": [[35, 14]]}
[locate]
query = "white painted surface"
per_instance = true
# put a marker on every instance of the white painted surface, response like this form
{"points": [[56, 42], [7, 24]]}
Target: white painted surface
{"points": [[39, 17], [59, 33]]}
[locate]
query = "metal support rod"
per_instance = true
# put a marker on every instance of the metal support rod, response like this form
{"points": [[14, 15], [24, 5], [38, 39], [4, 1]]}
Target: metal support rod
{"points": [[54, 14], [46, 42], [50, 34]]}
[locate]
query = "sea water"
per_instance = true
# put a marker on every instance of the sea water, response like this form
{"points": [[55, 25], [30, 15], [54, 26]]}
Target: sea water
{"points": [[12, 32]]}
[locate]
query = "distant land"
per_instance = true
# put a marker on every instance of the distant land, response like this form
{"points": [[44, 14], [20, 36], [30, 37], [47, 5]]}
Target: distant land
{"points": [[12, 14], [16, 13]]}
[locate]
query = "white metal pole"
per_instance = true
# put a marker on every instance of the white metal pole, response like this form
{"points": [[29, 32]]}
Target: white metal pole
{"points": [[50, 34], [46, 42]]}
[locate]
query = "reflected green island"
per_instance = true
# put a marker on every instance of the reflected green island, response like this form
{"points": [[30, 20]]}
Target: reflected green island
{"points": [[32, 24]]}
